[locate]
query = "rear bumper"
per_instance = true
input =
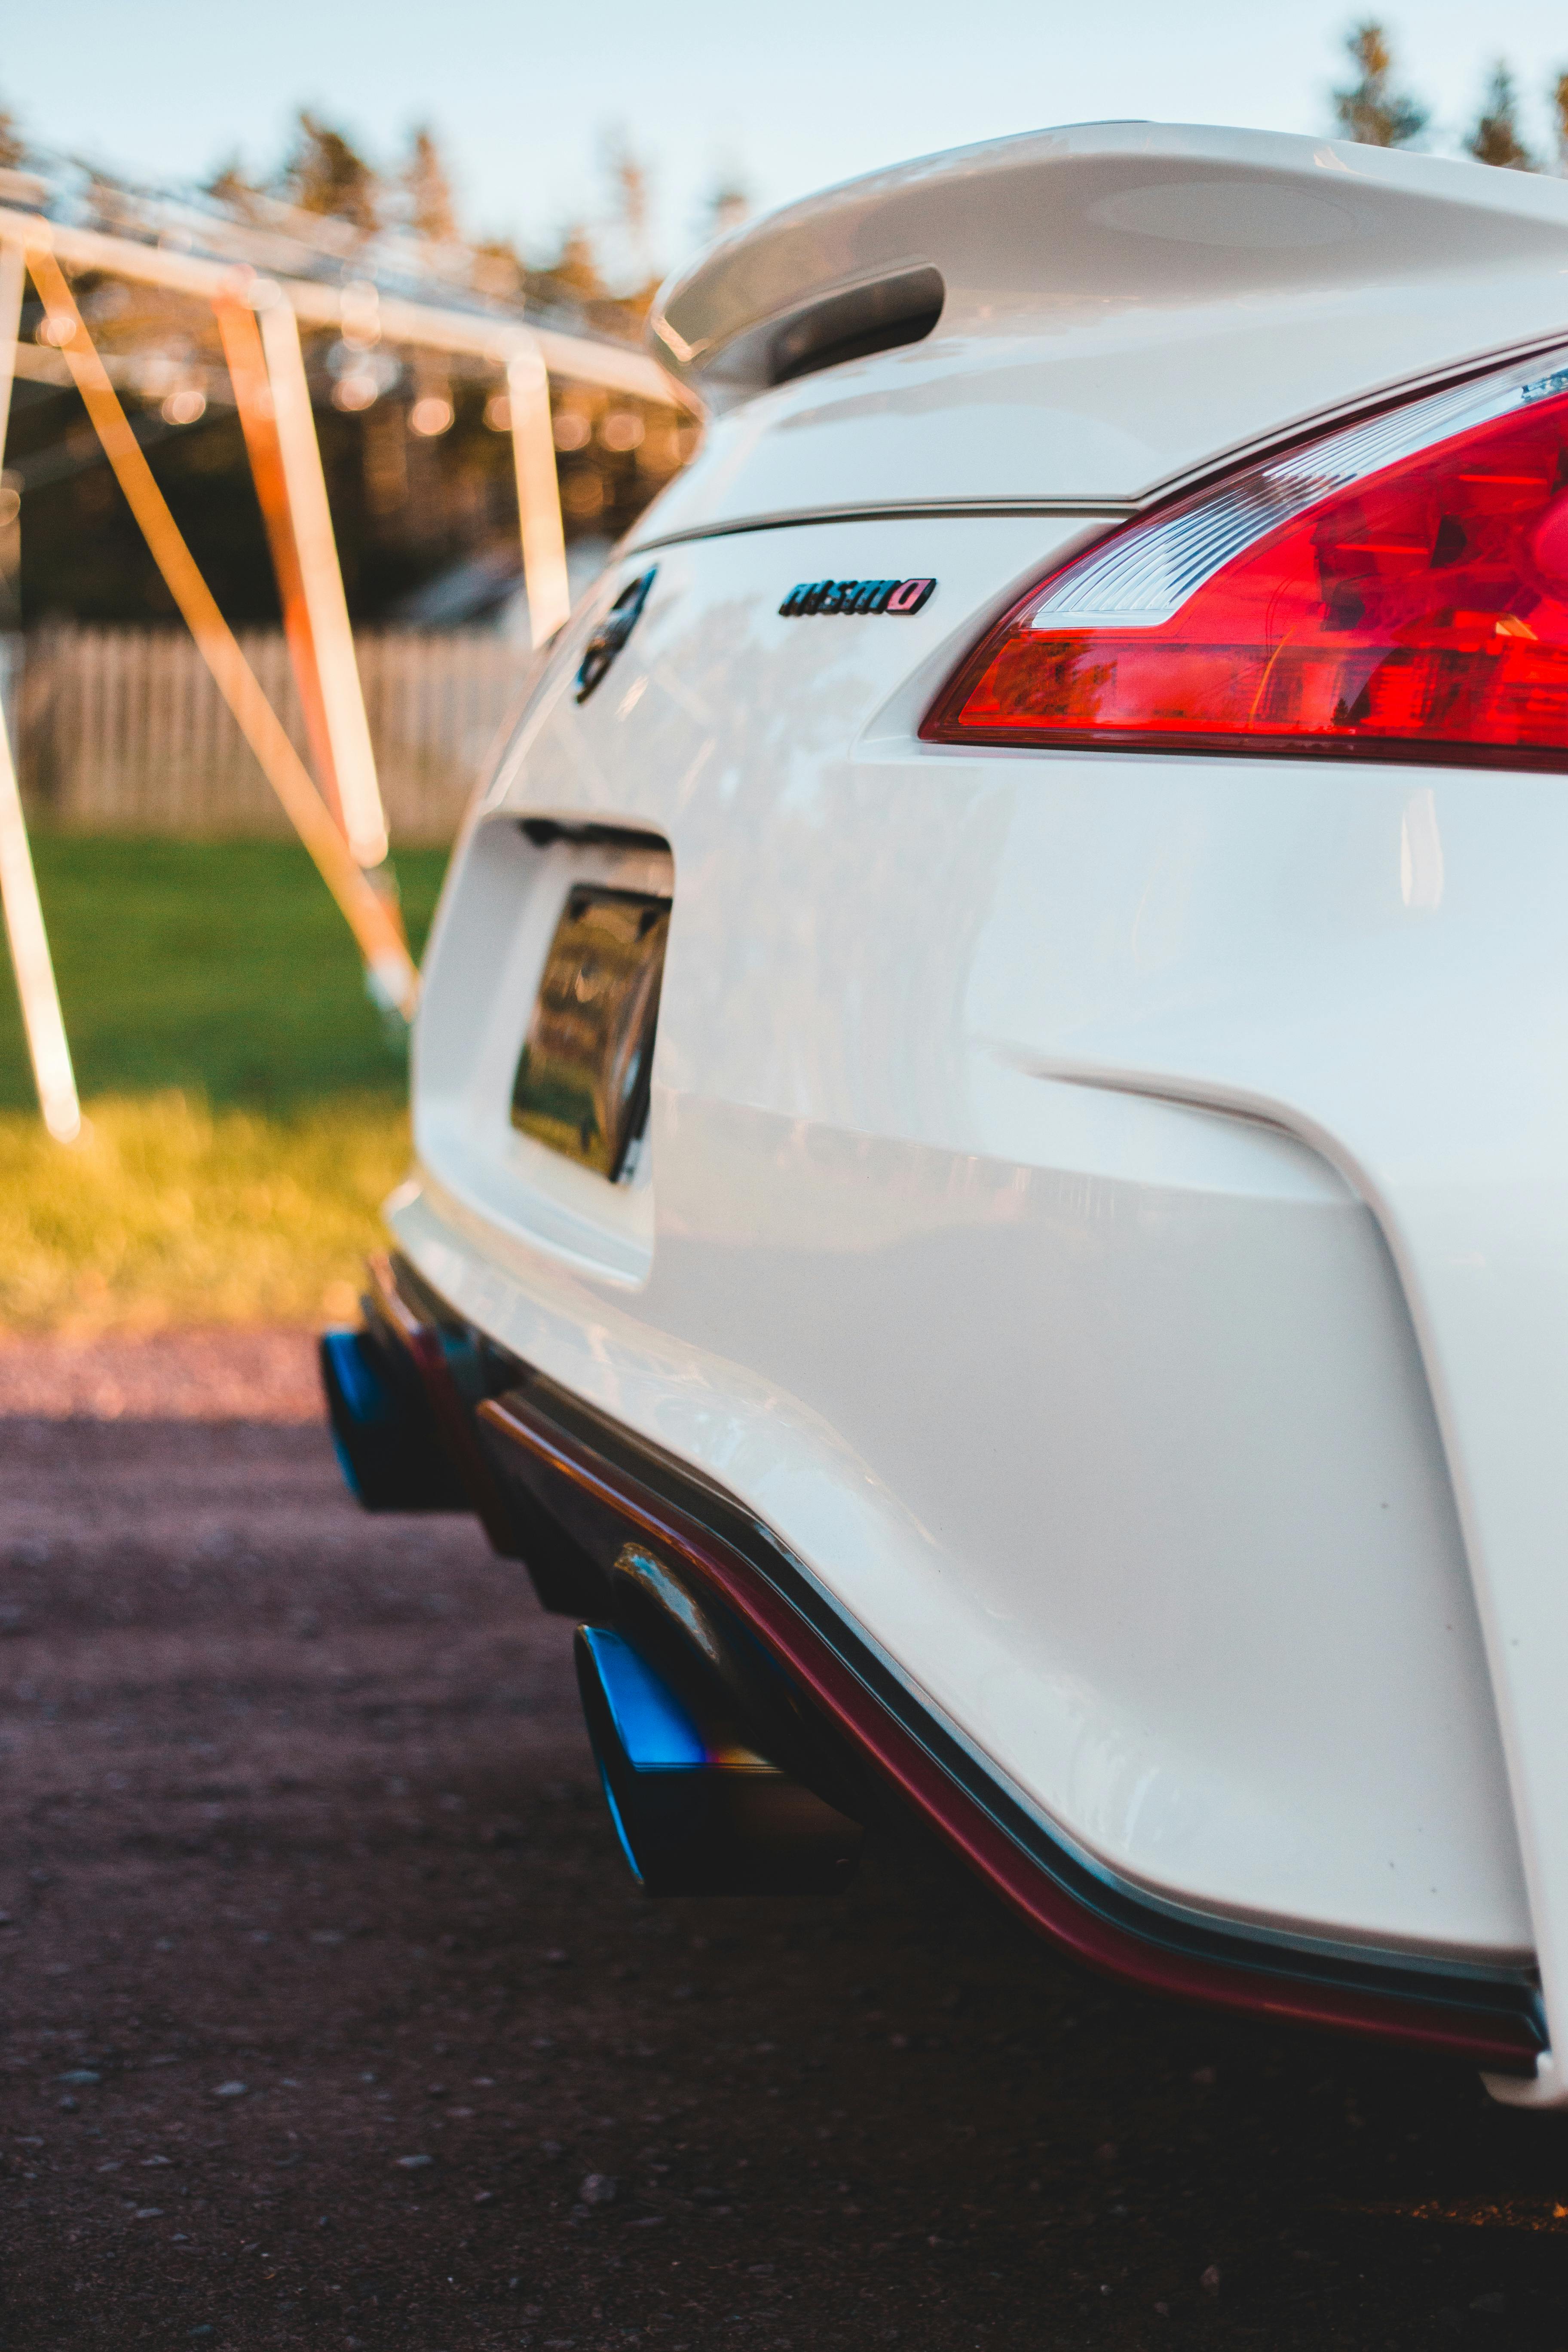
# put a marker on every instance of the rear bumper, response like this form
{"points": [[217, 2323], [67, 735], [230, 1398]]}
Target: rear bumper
{"points": [[563, 1486]]}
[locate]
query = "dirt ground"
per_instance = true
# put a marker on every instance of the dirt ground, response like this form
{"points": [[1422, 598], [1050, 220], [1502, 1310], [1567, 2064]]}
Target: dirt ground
{"points": [[333, 2019]]}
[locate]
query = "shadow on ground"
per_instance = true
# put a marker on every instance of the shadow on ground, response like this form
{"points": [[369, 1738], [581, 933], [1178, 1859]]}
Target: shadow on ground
{"points": [[335, 2020]]}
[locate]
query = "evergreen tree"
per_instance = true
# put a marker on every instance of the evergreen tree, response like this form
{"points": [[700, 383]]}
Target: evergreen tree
{"points": [[325, 173], [630, 195], [429, 204], [230, 186], [1495, 138], [1372, 111], [1558, 94], [498, 268], [576, 268], [13, 146]]}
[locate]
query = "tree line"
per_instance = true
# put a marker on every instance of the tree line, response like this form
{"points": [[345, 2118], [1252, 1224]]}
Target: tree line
{"points": [[323, 172], [606, 268], [1376, 112], [609, 267]]}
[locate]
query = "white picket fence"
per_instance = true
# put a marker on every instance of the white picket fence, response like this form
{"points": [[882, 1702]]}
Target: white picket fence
{"points": [[123, 731]]}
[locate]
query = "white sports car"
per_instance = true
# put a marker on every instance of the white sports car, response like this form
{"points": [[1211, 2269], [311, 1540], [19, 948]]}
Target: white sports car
{"points": [[991, 1209]]}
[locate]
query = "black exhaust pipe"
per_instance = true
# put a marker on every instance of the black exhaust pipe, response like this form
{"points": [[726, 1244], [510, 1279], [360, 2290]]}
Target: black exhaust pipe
{"points": [[698, 1806]]}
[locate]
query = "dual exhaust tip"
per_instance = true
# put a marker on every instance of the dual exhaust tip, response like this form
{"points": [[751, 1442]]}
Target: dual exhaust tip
{"points": [[716, 1780], [697, 1810], [383, 1431]]}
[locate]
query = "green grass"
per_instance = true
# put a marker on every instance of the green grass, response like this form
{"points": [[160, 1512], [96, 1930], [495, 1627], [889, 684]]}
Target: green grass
{"points": [[166, 1212], [244, 1100], [221, 968]]}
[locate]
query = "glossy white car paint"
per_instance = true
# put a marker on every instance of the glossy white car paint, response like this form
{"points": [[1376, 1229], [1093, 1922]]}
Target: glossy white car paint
{"points": [[1106, 1212]]}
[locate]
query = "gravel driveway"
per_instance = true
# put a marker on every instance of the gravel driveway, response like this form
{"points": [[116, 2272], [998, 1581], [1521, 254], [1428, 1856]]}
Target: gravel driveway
{"points": [[333, 2018]]}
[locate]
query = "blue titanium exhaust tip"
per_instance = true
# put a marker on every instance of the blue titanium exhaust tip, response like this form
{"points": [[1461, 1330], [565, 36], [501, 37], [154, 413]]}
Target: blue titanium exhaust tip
{"points": [[383, 1431], [696, 1810]]}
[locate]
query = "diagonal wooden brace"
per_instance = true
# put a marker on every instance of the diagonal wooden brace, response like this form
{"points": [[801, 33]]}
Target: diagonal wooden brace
{"points": [[42, 1020], [367, 915]]}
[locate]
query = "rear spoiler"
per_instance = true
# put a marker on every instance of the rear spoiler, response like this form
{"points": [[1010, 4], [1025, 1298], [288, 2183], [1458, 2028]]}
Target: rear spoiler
{"points": [[1059, 226], [1082, 321]]}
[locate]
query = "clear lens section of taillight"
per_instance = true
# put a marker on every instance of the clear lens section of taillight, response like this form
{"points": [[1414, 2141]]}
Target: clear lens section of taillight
{"points": [[1397, 589]]}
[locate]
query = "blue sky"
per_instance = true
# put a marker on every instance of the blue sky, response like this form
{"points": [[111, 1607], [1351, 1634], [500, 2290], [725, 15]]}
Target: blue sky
{"points": [[793, 95]]}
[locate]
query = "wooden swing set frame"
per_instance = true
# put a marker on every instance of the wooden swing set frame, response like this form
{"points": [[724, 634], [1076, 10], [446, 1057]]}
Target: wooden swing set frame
{"points": [[337, 811]]}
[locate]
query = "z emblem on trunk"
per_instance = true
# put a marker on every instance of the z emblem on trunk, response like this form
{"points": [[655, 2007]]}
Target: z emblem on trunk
{"points": [[855, 596], [611, 634]]}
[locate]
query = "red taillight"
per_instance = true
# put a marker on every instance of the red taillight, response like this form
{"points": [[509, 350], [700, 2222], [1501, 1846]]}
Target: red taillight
{"points": [[1397, 591]]}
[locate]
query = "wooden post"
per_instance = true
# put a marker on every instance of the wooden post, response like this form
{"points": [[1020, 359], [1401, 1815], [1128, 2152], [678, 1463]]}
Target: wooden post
{"points": [[247, 363], [381, 941], [42, 1019], [538, 492], [322, 579]]}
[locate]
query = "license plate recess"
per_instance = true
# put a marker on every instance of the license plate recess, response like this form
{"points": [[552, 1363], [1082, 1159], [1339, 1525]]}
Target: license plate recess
{"points": [[582, 1083]]}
